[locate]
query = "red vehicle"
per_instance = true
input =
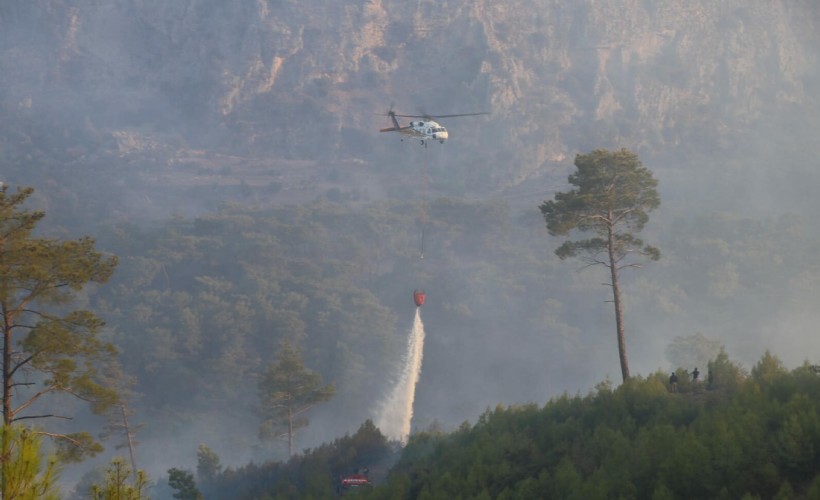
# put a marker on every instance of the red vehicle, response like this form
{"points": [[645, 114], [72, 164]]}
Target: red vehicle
{"points": [[348, 484], [418, 297]]}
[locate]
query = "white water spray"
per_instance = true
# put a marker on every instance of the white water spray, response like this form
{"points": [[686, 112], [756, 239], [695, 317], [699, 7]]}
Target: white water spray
{"points": [[397, 410]]}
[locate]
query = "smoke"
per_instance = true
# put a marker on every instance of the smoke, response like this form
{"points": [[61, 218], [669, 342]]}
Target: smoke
{"points": [[397, 410]]}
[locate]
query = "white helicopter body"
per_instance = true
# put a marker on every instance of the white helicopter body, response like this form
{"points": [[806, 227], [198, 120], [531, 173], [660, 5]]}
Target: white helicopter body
{"points": [[425, 129]]}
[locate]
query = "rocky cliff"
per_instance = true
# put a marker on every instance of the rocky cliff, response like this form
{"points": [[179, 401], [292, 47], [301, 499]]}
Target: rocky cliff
{"points": [[305, 80]]}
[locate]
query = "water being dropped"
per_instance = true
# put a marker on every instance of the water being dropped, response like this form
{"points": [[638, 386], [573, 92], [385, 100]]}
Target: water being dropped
{"points": [[397, 410]]}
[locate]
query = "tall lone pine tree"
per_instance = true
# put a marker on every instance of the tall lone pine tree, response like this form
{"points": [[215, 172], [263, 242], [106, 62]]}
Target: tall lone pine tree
{"points": [[288, 390], [613, 195], [48, 348]]}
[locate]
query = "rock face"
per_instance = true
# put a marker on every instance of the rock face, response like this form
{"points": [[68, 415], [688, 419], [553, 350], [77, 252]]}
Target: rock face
{"points": [[303, 80]]}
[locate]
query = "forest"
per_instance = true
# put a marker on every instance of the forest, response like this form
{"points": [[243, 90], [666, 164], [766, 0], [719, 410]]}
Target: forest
{"points": [[735, 435], [197, 308], [207, 200], [732, 434]]}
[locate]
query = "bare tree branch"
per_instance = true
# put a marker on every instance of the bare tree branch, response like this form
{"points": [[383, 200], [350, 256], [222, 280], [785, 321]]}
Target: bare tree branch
{"points": [[17, 419]]}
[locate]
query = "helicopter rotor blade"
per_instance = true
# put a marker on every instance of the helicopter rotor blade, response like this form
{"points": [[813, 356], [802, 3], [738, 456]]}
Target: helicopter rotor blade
{"points": [[463, 114], [443, 116]]}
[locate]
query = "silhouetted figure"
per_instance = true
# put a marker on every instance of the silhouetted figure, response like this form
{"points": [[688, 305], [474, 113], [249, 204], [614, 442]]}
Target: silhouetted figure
{"points": [[710, 378], [673, 381], [695, 374]]}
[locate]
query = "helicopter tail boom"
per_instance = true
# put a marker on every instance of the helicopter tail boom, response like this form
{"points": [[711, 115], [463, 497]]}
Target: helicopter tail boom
{"points": [[394, 129]]}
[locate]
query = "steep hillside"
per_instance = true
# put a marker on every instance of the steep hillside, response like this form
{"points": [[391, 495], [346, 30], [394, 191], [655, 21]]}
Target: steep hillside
{"points": [[733, 436], [290, 80], [134, 110]]}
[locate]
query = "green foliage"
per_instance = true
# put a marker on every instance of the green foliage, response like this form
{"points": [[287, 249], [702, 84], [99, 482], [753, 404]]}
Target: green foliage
{"points": [[724, 374], [207, 464], [27, 474], [201, 306], [183, 484], [612, 198], [76, 446], [314, 474], [40, 279], [118, 486], [286, 391], [612, 190], [749, 436], [768, 370]]}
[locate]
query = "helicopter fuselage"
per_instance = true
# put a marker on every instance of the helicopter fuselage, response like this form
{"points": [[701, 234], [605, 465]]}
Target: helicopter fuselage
{"points": [[428, 130], [425, 129]]}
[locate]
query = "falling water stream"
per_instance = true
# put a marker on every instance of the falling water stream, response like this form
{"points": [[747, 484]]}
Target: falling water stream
{"points": [[397, 410]]}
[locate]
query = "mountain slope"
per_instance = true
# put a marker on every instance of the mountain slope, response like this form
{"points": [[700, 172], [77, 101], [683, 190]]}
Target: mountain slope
{"points": [[303, 81]]}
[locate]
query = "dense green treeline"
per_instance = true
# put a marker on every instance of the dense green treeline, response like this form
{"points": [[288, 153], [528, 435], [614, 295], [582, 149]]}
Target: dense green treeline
{"points": [[736, 434], [742, 436], [314, 475]]}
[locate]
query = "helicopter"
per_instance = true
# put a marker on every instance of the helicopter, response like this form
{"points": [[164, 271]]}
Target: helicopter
{"points": [[426, 128]]}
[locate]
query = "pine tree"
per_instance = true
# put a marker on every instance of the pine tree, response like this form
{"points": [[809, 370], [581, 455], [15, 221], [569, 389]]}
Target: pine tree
{"points": [[207, 465], [613, 195], [25, 475], [182, 482], [47, 347], [117, 485], [288, 390]]}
